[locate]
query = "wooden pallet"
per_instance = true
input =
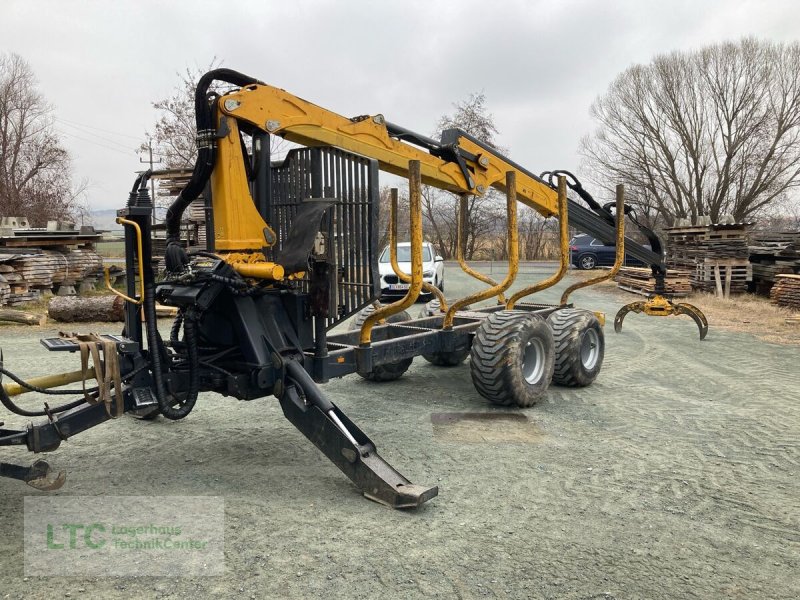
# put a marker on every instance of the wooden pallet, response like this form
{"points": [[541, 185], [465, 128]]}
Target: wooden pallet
{"points": [[723, 277]]}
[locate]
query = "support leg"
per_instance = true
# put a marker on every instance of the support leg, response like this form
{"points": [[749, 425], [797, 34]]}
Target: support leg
{"points": [[346, 445]]}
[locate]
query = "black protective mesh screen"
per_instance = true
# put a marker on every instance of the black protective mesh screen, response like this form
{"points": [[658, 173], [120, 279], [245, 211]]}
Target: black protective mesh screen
{"points": [[351, 224]]}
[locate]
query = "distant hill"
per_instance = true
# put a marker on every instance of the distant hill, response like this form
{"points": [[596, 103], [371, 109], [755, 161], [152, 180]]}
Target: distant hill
{"points": [[106, 219]]}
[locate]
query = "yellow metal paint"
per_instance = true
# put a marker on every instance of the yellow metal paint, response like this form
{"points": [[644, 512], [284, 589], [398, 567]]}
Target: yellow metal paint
{"points": [[563, 221], [48, 381], [254, 264], [297, 120], [513, 257], [405, 277], [620, 250], [461, 242], [139, 255], [237, 223], [415, 233]]}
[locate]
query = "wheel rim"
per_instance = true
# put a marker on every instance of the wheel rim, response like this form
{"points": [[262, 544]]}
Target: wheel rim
{"points": [[587, 262], [533, 361], [590, 349]]}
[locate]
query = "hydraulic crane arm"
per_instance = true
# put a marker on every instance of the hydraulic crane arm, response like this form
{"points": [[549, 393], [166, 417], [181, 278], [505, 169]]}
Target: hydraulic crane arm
{"points": [[459, 163]]}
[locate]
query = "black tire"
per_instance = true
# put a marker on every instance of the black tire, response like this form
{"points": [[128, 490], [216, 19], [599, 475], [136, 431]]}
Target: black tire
{"points": [[442, 359], [388, 371], [512, 358], [587, 262], [441, 285], [580, 347], [447, 359]]}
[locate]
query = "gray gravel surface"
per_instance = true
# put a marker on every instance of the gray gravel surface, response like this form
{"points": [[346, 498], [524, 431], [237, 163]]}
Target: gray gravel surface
{"points": [[674, 476]]}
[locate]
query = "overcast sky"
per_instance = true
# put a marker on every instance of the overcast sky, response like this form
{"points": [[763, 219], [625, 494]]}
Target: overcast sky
{"points": [[540, 64]]}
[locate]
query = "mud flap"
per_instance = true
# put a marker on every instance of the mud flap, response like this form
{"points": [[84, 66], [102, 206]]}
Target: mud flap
{"points": [[376, 478]]}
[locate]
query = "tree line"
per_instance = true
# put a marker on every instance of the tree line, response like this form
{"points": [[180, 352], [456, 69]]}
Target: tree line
{"points": [[714, 131]]}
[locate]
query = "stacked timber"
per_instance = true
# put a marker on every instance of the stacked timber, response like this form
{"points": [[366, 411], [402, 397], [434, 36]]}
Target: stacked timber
{"points": [[786, 291], [773, 253], [717, 256], [5, 290], [640, 281], [32, 273], [193, 223]]}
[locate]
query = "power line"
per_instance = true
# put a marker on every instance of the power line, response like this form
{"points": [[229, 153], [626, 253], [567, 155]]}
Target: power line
{"points": [[96, 143], [99, 129], [100, 137]]}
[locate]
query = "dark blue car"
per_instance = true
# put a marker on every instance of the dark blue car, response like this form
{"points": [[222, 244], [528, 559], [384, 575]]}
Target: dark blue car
{"points": [[587, 253]]}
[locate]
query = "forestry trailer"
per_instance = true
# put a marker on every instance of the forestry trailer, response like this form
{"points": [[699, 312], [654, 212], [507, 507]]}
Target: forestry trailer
{"points": [[291, 252]]}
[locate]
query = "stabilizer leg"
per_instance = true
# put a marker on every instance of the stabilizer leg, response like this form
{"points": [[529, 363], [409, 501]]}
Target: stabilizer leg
{"points": [[39, 475], [346, 445]]}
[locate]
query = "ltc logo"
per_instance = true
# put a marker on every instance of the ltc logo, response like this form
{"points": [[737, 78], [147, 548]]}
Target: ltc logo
{"points": [[57, 539]]}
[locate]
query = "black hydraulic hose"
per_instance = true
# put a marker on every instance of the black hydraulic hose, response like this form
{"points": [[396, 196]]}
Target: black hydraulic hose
{"points": [[193, 355], [151, 328], [164, 400], [176, 328], [35, 388], [6, 401], [204, 119]]}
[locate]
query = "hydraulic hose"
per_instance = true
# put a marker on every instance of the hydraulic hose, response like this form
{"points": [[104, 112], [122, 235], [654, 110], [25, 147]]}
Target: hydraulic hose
{"points": [[164, 400], [175, 257]]}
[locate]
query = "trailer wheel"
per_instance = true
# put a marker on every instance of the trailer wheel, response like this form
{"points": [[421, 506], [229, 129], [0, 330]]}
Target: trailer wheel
{"points": [[447, 359], [432, 308], [387, 371], [580, 347], [512, 358]]}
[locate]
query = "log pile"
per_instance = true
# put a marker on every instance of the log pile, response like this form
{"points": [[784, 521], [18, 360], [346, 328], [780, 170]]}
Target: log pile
{"points": [[786, 291], [716, 255], [5, 290], [640, 281], [773, 253], [29, 275]]}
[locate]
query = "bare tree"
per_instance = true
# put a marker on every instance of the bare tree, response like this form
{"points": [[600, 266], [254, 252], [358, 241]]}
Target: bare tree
{"points": [[174, 134], [708, 132], [35, 169], [440, 209]]}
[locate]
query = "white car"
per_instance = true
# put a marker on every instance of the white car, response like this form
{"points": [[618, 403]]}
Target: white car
{"points": [[432, 268]]}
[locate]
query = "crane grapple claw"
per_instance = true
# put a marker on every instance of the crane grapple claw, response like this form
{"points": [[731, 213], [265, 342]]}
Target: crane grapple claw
{"points": [[683, 308], [659, 306]]}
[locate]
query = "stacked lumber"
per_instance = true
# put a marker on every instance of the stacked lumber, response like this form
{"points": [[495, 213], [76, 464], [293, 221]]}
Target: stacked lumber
{"points": [[773, 253], [717, 255], [786, 291], [5, 290], [640, 281], [29, 275]]}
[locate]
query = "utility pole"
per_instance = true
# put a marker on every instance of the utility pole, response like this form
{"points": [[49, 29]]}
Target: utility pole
{"points": [[151, 162]]}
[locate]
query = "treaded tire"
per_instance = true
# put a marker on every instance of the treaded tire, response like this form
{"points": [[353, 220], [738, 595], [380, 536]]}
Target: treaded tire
{"points": [[388, 371], [447, 359], [580, 347], [512, 358]]}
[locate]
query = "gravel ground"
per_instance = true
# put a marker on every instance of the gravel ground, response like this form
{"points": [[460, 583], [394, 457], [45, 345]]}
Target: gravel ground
{"points": [[674, 476]]}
